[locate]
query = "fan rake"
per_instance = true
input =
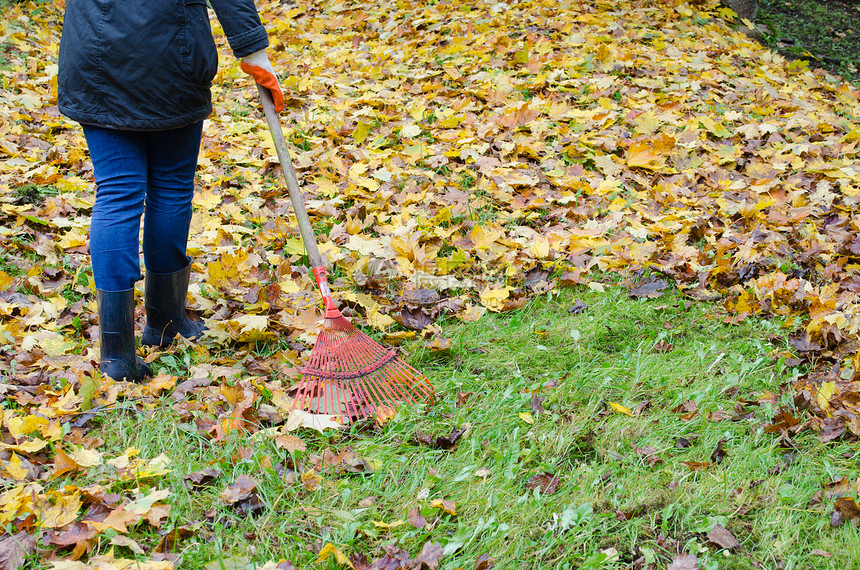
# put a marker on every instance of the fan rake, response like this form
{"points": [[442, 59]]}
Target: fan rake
{"points": [[348, 373]]}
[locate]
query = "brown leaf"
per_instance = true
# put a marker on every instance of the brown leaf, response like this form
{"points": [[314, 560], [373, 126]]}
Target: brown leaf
{"points": [[547, 482], [157, 514], [415, 319], [238, 490], [696, 465], [429, 557], [415, 518], [463, 397], [290, 442], [71, 534], [848, 507], [63, 464], [578, 307], [781, 421], [168, 541], [836, 519], [203, 478], [441, 441], [723, 538], [649, 290], [14, 549], [649, 453], [837, 488], [801, 343], [688, 410], [483, 562], [684, 562], [537, 407], [719, 452], [422, 297], [685, 442]]}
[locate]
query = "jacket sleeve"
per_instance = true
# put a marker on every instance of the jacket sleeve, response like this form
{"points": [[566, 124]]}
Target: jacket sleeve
{"points": [[242, 26]]}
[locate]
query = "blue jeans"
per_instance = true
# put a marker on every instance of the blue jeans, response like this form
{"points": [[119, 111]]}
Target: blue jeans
{"points": [[137, 171]]}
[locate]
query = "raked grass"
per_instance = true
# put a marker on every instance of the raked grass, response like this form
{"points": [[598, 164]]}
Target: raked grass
{"points": [[612, 505]]}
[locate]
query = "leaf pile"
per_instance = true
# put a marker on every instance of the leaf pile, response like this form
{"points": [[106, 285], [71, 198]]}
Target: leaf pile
{"points": [[457, 157]]}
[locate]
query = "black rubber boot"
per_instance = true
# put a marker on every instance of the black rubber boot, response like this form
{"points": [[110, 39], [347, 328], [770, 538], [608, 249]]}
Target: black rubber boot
{"points": [[116, 331], [165, 308]]}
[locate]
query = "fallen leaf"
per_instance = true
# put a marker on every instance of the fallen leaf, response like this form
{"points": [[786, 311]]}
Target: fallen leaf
{"points": [[848, 508], [330, 550], [484, 562], [238, 490], [429, 556], [546, 482], [723, 538], [440, 442], [204, 477], [649, 290], [415, 518], [14, 550], [684, 562], [621, 409], [449, 507]]}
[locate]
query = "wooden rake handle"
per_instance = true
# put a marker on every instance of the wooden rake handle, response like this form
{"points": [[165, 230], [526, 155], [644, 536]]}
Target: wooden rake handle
{"points": [[305, 228]]}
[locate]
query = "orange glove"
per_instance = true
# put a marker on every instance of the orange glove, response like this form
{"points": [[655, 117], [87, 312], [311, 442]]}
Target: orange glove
{"points": [[257, 65]]}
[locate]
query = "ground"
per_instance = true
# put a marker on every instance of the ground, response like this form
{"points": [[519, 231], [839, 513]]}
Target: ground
{"points": [[824, 32]]}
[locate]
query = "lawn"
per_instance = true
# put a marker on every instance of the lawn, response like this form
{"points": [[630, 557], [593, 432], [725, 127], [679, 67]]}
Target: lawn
{"points": [[585, 430], [620, 238]]}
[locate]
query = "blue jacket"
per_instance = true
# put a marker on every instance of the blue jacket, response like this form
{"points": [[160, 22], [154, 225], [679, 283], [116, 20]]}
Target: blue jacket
{"points": [[147, 64]]}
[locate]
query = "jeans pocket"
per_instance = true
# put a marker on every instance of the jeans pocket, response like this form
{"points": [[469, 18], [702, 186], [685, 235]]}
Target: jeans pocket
{"points": [[199, 55]]}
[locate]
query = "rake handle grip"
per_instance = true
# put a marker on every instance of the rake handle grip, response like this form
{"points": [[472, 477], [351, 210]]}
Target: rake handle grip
{"points": [[305, 228]]}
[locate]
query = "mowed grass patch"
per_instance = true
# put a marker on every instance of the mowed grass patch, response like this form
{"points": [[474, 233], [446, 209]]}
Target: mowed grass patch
{"points": [[609, 436]]}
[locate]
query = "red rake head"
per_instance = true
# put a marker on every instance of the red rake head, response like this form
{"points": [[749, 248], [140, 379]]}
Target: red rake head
{"points": [[351, 375]]}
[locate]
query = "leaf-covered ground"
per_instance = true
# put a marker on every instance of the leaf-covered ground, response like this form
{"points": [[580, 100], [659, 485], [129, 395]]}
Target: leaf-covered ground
{"points": [[458, 158]]}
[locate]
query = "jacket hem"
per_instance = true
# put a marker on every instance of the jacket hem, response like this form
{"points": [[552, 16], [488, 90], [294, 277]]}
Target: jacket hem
{"points": [[109, 121]]}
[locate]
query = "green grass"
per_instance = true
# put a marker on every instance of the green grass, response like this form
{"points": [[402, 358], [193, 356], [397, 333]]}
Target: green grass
{"points": [[825, 33], [609, 495]]}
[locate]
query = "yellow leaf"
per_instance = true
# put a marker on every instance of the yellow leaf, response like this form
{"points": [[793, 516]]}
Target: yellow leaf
{"points": [[86, 457], [331, 550], [311, 480], [31, 446], [494, 299], [58, 510], [647, 123], [621, 409], [385, 525], [527, 417], [643, 155], [410, 130], [153, 468], [361, 131], [540, 247], [449, 507], [16, 468], [380, 321], [825, 393], [21, 426], [6, 281]]}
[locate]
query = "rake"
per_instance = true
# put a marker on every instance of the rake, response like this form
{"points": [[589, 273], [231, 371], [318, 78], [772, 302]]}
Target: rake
{"points": [[348, 373]]}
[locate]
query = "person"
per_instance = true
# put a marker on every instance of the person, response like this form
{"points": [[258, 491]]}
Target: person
{"points": [[137, 77]]}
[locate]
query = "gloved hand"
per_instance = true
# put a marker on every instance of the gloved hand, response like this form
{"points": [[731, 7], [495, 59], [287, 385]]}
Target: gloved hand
{"points": [[257, 65]]}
